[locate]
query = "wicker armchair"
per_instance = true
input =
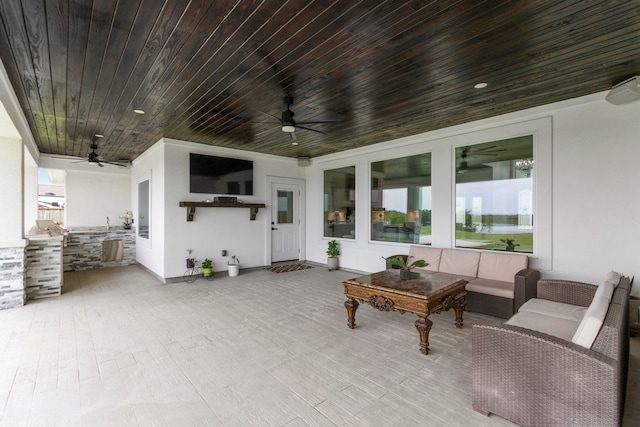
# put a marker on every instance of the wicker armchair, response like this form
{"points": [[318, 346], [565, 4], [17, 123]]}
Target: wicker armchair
{"points": [[534, 379]]}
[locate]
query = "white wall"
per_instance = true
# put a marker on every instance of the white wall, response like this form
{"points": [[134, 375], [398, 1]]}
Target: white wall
{"points": [[11, 190], [91, 197], [30, 198], [592, 175], [215, 229], [11, 181], [151, 166]]}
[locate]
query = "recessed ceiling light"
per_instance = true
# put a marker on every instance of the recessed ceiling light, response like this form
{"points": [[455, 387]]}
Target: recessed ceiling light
{"points": [[137, 111], [99, 135], [480, 85], [294, 143]]}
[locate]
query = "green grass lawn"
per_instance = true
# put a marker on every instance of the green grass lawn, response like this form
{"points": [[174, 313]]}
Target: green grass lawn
{"points": [[524, 240]]}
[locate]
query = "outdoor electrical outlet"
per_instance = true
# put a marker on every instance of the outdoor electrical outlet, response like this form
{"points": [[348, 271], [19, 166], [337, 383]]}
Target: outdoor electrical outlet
{"points": [[224, 252]]}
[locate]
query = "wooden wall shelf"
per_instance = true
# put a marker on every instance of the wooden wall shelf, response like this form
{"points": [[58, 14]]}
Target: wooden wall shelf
{"points": [[191, 207]]}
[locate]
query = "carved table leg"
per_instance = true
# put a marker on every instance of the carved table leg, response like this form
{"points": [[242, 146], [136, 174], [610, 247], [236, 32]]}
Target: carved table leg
{"points": [[459, 306], [352, 306], [423, 325]]}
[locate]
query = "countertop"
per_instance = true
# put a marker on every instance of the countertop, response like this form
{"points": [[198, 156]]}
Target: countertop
{"points": [[102, 229]]}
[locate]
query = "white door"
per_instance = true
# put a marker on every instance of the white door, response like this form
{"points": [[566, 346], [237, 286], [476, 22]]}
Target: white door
{"points": [[285, 222]]}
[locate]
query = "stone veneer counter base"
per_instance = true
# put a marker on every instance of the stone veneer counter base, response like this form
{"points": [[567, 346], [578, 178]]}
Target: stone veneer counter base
{"points": [[84, 248]]}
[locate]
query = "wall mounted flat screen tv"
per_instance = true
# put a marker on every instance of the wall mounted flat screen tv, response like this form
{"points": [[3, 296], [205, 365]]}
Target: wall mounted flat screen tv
{"points": [[220, 175]]}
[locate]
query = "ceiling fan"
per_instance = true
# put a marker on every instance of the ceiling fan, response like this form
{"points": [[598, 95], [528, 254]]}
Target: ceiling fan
{"points": [[463, 166], [289, 125], [95, 159]]}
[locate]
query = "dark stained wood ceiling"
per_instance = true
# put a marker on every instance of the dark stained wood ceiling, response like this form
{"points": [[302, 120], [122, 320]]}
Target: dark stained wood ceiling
{"points": [[216, 72]]}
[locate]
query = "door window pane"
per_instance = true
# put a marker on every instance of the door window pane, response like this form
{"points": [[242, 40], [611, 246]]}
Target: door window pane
{"points": [[401, 200], [285, 207], [494, 195], [340, 202]]}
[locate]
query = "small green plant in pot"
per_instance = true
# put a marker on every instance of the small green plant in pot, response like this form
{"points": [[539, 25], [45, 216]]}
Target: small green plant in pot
{"points": [[404, 266], [207, 267], [234, 266], [332, 255]]}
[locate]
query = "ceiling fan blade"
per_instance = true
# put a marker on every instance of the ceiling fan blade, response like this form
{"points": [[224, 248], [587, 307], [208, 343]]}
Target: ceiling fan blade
{"points": [[312, 130], [270, 115], [315, 122], [119, 164], [483, 149]]}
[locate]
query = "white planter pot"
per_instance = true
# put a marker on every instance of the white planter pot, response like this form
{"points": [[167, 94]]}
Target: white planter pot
{"points": [[332, 263], [234, 270]]}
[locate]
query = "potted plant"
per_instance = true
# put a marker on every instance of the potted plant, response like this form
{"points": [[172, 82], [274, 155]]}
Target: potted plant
{"points": [[332, 255], [401, 263], [207, 268], [511, 245], [190, 261], [234, 266]]}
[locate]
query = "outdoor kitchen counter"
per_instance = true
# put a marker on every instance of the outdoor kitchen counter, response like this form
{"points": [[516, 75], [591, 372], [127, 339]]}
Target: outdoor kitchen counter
{"points": [[84, 249]]}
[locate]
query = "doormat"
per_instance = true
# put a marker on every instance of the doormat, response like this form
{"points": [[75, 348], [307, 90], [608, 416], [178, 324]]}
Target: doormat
{"points": [[288, 267]]}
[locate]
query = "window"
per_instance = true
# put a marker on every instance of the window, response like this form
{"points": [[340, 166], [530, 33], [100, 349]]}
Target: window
{"points": [[340, 202], [494, 195], [401, 200], [144, 209]]}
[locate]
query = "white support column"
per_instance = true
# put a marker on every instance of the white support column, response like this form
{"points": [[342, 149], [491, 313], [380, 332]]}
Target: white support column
{"points": [[12, 244]]}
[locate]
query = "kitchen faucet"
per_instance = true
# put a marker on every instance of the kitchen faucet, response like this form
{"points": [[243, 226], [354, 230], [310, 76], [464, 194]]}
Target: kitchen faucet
{"points": [[108, 225]]}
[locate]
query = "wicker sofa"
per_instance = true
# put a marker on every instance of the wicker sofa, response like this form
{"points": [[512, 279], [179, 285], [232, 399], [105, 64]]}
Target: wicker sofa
{"points": [[537, 376], [499, 282]]}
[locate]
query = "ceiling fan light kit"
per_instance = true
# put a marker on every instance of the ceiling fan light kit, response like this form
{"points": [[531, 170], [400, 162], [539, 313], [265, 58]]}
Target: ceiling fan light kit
{"points": [[625, 92], [288, 125]]}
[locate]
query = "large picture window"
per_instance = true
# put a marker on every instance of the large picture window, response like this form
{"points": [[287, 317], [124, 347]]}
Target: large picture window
{"points": [[494, 195], [340, 202], [401, 200]]}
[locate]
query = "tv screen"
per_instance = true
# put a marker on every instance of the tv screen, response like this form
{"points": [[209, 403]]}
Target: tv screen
{"points": [[220, 175]]}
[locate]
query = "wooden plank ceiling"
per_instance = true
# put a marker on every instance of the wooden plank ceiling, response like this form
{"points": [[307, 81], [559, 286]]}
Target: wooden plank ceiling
{"points": [[216, 72]]}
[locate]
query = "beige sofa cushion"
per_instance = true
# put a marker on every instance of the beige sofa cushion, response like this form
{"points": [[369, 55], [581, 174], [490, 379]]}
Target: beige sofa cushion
{"points": [[591, 323], [555, 326], [459, 262], [501, 266], [427, 253], [491, 287], [560, 310]]}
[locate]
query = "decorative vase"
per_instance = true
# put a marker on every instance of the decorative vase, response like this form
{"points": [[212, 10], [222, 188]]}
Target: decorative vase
{"points": [[207, 272], [332, 263], [234, 270], [405, 274]]}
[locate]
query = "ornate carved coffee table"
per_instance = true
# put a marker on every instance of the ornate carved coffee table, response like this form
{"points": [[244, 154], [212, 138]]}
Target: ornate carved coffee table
{"points": [[423, 295]]}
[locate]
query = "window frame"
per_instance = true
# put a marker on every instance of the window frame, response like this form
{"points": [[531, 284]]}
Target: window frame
{"points": [[371, 177], [355, 201], [541, 131]]}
